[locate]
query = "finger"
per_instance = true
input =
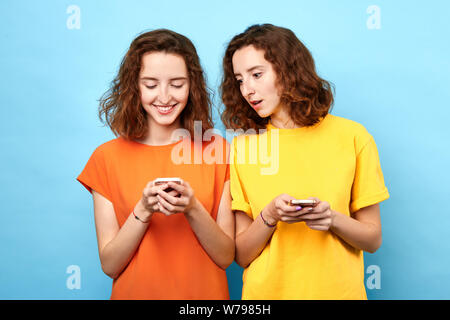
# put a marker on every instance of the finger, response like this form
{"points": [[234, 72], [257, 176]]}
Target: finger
{"points": [[168, 206], [321, 206], [164, 204], [288, 219], [314, 198], [169, 198], [174, 193], [298, 212], [177, 187], [156, 208], [164, 211], [286, 198], [153, 190], [316, 216], [151, 201], [284, 206]]}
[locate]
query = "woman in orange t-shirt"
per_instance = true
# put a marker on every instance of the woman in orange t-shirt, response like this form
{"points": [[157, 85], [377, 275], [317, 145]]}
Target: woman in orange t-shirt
{"points": [[170, 240]]}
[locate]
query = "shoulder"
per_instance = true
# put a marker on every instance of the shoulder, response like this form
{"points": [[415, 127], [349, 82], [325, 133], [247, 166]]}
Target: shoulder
{"points": [[242, 140], [339, 129], [347, 127], [345, 124], [111, 147]]}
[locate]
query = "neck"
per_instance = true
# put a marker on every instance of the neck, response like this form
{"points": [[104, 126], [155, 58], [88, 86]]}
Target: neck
{"points": [[282, 120], [159, 135]]}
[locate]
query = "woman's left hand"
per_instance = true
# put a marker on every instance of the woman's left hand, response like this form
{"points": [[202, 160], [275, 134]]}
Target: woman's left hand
{"points": [[321, 216], [182, 203]]}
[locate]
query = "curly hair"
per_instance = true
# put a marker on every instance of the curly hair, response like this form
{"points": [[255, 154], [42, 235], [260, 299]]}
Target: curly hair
{"points": [[307, 97], [121, 105]]}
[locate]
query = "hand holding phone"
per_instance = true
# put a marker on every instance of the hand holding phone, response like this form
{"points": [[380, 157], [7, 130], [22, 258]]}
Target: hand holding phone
{"points": [[160, 181], [177, 197]]}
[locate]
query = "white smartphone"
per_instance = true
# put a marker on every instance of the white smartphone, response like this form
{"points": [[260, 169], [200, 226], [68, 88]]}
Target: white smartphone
{"points": [[159, 181], [303, 202], [165, 180]]}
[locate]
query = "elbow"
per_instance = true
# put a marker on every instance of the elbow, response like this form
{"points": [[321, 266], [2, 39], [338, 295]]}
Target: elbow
{"points": [[228, 258], [241, 256], [226, 262], [110, 273], [241, 260], [375, 245], [109, 269], [242, 263]]}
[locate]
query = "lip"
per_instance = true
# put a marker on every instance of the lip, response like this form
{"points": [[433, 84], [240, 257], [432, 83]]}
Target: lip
{"points": [[165, 109], [256, 104]]}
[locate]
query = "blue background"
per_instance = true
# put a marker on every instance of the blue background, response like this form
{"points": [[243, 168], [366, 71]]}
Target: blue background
{"points": [[394, 80]]}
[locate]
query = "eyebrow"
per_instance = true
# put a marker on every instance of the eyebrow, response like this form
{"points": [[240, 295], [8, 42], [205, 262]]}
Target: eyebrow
{"points": [[250, 70], [171, 79]]}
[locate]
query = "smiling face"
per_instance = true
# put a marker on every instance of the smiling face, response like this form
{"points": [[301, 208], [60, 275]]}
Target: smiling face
{"points": [[257, 80], [164, 87]]}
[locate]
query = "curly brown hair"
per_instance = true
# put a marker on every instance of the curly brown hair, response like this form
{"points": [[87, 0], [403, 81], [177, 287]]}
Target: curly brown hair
{"points": [[307, 97], [121, 104]]}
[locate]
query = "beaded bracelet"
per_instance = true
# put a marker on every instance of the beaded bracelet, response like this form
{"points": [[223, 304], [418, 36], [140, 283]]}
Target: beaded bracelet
{"points": [[265, 222]]}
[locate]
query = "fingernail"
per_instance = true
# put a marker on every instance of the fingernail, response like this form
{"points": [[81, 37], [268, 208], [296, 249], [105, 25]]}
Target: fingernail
{"points": [[298, 208]]}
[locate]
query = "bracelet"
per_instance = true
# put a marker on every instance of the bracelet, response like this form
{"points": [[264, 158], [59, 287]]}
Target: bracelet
{"points": [[137, 218], [266, 223]]}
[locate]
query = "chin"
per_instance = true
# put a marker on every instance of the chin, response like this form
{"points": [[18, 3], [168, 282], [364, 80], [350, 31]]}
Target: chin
{"points": [[165, 122], [263, 114]]}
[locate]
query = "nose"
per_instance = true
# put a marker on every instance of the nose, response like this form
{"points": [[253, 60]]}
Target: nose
{"points": [[164, 95], [247, 89]]}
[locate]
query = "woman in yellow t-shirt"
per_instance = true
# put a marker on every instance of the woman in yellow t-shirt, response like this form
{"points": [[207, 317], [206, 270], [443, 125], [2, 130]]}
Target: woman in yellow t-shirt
{"points": [[294, 149]]}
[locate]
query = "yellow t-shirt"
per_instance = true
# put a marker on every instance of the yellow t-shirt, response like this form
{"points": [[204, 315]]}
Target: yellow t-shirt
{"points": [[336, 161]]}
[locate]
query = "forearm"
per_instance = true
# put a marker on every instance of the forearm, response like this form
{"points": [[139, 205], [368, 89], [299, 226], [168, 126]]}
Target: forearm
{"points": [[251, 242], [218, 245], [361, 235], [116, 254]]}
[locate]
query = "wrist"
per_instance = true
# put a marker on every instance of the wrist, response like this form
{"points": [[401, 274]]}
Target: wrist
{"points": [[192, 208], [333, 216], [268, 217], [141, 212]]}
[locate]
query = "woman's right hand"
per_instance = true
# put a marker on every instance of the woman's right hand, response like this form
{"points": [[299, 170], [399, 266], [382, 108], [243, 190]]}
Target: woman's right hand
{"points": [[149, 202], [279, 209]]}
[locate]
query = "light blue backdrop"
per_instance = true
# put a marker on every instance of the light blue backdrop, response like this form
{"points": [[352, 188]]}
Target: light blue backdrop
{"points": [[389, 63]]}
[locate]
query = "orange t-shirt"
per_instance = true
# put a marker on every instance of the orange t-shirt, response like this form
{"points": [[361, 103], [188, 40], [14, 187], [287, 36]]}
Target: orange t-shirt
{"points": [[170, 262]]}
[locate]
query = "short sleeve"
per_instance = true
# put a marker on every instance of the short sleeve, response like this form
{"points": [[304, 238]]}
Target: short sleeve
{"points": [[94, 175], [368, 185], [239, 198], [227, 159], [227, 173]]}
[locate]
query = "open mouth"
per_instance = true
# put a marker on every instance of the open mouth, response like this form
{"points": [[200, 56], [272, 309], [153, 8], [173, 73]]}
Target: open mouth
{"points": [[165, 109], [256, 103]]}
